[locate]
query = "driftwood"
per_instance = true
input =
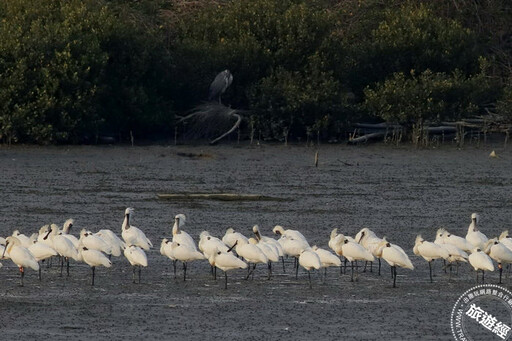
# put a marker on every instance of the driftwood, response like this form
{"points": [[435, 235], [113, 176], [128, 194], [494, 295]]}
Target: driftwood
{"points": [[366, 138], [218, 196], [211, 119]]}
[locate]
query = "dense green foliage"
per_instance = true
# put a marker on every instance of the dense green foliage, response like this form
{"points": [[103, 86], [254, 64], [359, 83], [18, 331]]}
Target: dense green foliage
{"points": [[75, 69]]}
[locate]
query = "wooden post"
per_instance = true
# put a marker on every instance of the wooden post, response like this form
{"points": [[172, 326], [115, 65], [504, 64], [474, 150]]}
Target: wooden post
{"points": [[176, 135], [316, 159], [131, 137]]}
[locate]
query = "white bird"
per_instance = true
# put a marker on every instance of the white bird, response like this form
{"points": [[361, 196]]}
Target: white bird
{"points": [[394, 256], [480, 261], [93, 242], [62, 245], [166, 250], [429, 251], [269, 240], [131, 234], [230, 237], [499, 252], [293, 248], [40, 251], [24, 240], [251, 253], [294, 234], [179, 236], [369, 240], [327, 258], [115, 243], [269, 251], [309, 259], [208, 245], [226, 261], [505, 239], [353, 252], [20, 256], [474, 236], [94, 258], [68, 224], [137, 258], [185, 254], [445, 237], [456, 254]]}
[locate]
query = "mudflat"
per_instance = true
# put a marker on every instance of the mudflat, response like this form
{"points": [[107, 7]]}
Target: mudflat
{"points": [[398, 192]]}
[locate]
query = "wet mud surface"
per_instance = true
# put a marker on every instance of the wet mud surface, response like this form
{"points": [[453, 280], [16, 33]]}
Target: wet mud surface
{"points": [[397, 192]]}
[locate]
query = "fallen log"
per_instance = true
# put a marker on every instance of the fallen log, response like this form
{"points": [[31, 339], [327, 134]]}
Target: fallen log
{"points": [[366, 138], [217, 196]]}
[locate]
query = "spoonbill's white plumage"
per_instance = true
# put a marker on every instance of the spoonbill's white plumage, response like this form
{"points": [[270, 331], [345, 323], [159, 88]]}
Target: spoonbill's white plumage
{"points": [[62, 245], [251, 253], [179, 236], [42, 236], [499, 252], [269, 251], [226, 261], [20, 256], [293, 248], [94, 242], [94, 258], [115, 243], [353, 251], [309, 260], [230, 237], [479, 260], [369, 240], [137, 258], [40, 251], [505, 239], [429, 251], [445, 237], [66, 227], [185, 254], [208, 245], [394, 256], [133, 235], [327, 258], [456, 254], [166, 250], [474, 236], [269, 241], [24, 240], [293, 234]]}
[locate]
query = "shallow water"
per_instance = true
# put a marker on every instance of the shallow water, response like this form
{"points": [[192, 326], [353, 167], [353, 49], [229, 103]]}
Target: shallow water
{"points": [[397, 192]]}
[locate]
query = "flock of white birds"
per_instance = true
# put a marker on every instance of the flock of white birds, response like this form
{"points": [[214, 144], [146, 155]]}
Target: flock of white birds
{"points": [[236, 251]]}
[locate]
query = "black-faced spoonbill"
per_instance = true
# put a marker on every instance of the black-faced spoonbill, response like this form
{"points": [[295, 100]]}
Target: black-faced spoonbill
{"points": [[429, 251], [499, 252], [137, 258], [94, 258], [479, 260], [20, 256], [133, 235], [474, 236], [308, 259], [226, 261], [394, 256]]}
